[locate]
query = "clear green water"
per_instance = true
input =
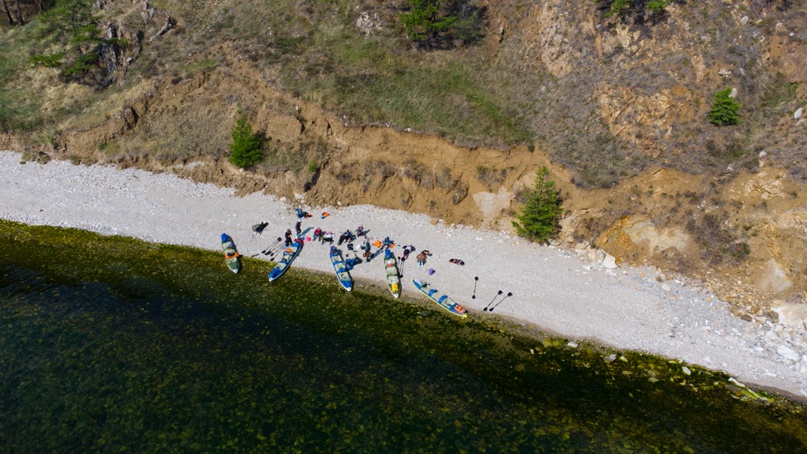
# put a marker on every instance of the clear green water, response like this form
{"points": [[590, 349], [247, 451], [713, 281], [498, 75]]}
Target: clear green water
{"points": [[111, 344]]}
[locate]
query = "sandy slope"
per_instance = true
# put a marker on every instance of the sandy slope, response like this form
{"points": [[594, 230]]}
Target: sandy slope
{"points": [[557, 290]]}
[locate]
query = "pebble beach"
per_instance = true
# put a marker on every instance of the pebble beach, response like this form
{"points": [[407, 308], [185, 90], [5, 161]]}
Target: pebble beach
{"points": [[575, 294]]}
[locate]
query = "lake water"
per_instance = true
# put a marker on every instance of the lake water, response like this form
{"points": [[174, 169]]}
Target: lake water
{"points": [[111, 343]]}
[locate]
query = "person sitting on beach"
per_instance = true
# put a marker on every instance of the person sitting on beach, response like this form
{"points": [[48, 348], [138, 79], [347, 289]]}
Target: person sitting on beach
{"points": [[259, 228], [317, 234], [327, 237], [347, 236], [408, 249], [360, 231]]}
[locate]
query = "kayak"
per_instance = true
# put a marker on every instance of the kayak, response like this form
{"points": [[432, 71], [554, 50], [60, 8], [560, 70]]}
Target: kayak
{"points": [[289, 254], [440, 298], [231, 255], [393, 276], [341, 272]]}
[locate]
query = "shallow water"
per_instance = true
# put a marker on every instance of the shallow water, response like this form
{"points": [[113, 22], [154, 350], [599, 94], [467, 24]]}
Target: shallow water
{"points": [[112, 343]]}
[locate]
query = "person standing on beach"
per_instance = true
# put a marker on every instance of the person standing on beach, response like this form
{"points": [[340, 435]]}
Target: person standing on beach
{"points": [[297, 227], [288, 237], [421, 258], [367, 248]]}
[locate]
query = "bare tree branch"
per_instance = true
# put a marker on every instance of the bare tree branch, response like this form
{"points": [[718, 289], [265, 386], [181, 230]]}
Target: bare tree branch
{"points": [[20, 19], [8, 13]]}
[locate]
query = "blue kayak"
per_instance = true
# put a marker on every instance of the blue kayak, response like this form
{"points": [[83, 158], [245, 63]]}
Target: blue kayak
{"points": [[440, 298], [345, 280], [289, 255]]}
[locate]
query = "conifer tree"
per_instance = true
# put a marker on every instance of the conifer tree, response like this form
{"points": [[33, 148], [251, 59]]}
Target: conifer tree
{"points": [[245, 150], [540, 217], [724, 109]]}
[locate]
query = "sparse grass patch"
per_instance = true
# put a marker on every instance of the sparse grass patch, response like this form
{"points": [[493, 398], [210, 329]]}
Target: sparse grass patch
{"points": [[19, 101], [199, 66], [718, 241], [491, 177]]}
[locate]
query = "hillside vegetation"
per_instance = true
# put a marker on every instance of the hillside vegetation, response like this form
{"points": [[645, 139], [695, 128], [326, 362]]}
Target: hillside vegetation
{"points": [[449, 107]]}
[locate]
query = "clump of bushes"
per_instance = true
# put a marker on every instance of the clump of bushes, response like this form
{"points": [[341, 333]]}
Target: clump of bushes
{"points": [[619, 6], [245, 150], [540, 218], [435, 22], [725, 109]]}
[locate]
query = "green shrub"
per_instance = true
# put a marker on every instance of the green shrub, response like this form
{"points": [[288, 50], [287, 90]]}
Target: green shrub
{"points": [[540, 217], [657, 5], [617, 6], [724, 109], [424, 21], [48, 60], [246, 147]]}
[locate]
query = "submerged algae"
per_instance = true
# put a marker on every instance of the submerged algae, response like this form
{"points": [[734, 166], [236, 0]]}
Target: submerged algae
{"points": [[112, 342]]}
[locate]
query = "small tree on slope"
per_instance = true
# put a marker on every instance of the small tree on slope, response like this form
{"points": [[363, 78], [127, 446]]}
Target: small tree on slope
{"points": [[540, 217], [725, 110], [246, 147]]}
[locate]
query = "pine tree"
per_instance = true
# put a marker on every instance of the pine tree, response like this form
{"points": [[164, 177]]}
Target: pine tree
{"points": [[246, 147], [725, 109], [540, 217], [425, 22]]}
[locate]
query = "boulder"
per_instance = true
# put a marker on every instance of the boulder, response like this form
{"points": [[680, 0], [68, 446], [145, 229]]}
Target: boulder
{"points": [[772, 278]]}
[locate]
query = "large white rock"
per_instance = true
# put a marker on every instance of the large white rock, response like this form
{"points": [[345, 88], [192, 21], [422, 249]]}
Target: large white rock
{"points": [[793, 315], [609, 261], [773, 278], [788, 353]]}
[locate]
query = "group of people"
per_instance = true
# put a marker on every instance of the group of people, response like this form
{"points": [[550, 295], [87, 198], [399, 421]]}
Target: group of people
{"points": [[347, 237]]}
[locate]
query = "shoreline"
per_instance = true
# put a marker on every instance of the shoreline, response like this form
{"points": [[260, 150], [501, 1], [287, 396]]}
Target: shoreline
{"points": [[568, 293]]}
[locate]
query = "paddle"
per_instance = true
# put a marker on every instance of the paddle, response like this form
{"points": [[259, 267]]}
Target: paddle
{"points": [[266, 251], [271, 251], [509, 294], [491, 301], [476, 279]]}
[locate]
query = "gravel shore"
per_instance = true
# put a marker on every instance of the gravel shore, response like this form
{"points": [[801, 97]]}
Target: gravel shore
{"points": [[575, 294]]}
